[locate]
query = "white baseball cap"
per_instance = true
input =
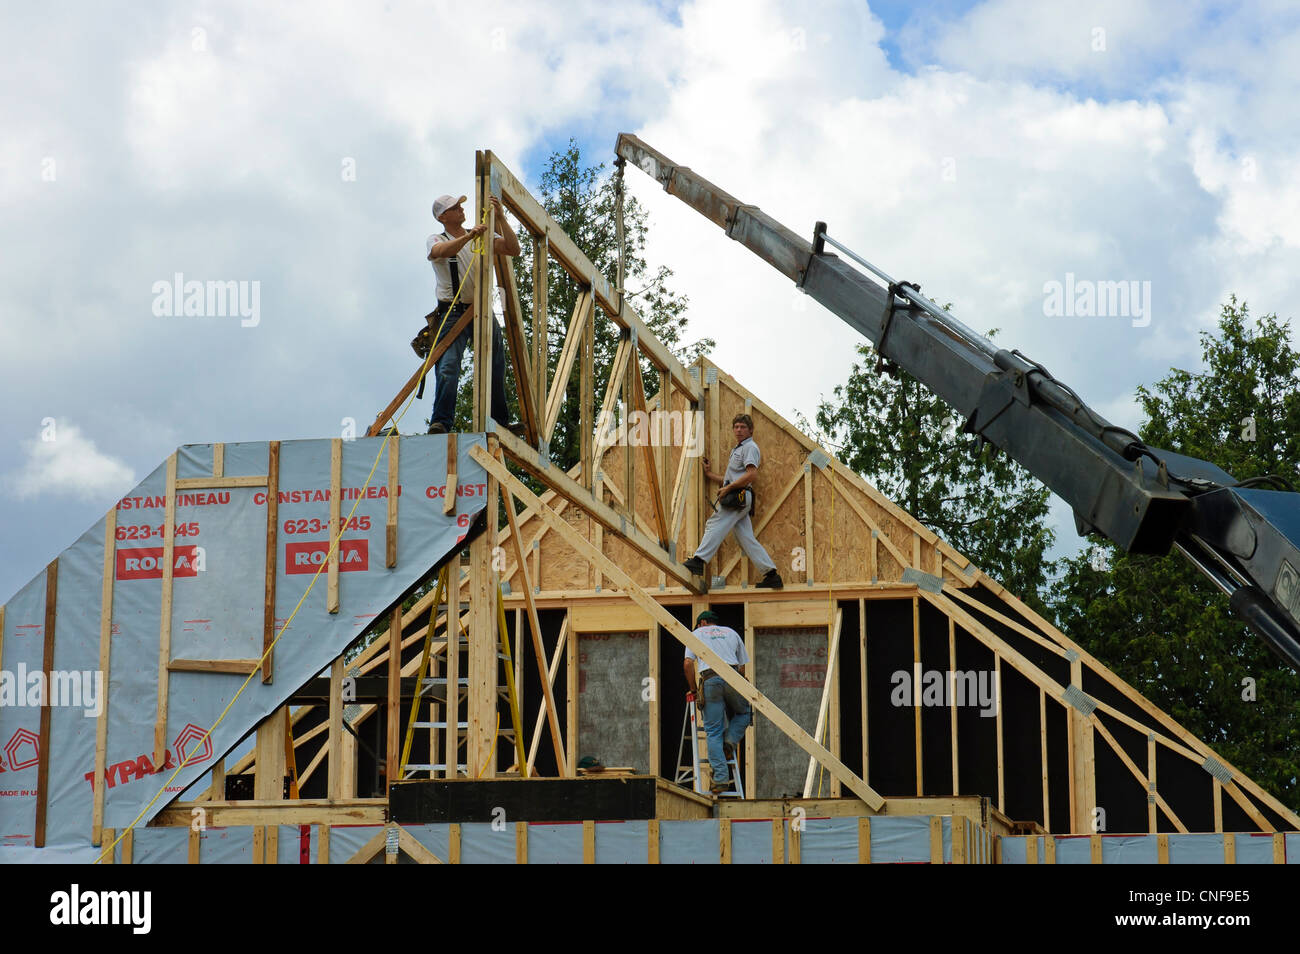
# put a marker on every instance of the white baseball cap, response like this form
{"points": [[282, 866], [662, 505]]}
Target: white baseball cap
{"points": [[443, 203]]}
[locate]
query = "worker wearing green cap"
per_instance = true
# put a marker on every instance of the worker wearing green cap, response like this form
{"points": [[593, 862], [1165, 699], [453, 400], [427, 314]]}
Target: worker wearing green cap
{"points": [[726, 712]]}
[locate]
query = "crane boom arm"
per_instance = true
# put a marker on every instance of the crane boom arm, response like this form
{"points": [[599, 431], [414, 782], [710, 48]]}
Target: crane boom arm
{"points": [[1144, 499]]}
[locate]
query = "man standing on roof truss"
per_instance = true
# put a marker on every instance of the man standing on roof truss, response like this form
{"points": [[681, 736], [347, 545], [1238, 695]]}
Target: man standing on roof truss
{"points": [[735, 506]]}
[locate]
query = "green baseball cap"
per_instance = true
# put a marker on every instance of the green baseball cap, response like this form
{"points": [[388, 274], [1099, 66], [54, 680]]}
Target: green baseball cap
{"points": [[708, 616]]}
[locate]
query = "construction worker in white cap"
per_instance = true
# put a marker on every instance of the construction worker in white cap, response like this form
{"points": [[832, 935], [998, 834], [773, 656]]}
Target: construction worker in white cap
{"points": [[452, 259]]}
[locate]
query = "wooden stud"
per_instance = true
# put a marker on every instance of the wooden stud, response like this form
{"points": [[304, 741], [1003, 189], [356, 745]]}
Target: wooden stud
{"points": [[864, 841], [272, 844], [960, 834], [268, 782], [916, 694], [335, 741], [483, 647], [997, 689], [652, 638], [485, 213], [778, 841], [936, 839], [47, 711], [1042, 734], [1031, 850], [521, 843], [516, 343], [809, 573], [588, 842], [796, 845], [652, 841], [1151, 784], [336, 492], [453, 843], [394, 720], [835, 715], [105, 651], [629, 460], [1049, 849], [862, 688], [751, 733], [1162, 849], [390, 523], [165, 616], [952, 703], [681, 633], [1094, 849], [586, 401], [609, 405], [648, 460], [1279, 848], [541, 301], [582, 312], [571, 706], [272, 549], [259, 844], [218, 460], [451, 749], [724, 840], [535, 631], [1230, 848], [108, 835]]}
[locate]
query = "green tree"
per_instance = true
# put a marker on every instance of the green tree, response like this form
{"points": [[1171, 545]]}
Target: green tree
{"points": [[1156, 621], [582, 198], [908, 443]]}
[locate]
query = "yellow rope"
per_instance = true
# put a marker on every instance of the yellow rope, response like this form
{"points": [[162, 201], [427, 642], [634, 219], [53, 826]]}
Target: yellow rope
{"points": [[477, 248]]}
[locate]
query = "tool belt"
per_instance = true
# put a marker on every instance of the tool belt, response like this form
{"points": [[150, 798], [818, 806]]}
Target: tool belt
{"points": [[742, 499], [423, 341]]}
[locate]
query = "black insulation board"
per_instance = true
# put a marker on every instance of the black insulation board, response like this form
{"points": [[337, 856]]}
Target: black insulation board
{"points": [[533, 800], [613, 708]]}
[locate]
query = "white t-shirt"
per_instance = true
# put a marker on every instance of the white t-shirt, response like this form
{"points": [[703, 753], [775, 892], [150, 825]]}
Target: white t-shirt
{"points": [[442, 270], [724, 641]]}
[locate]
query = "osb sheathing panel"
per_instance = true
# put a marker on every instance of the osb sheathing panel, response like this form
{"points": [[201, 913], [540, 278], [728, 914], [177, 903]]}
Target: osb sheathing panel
{"points": [[561, 566], [839, 545]]}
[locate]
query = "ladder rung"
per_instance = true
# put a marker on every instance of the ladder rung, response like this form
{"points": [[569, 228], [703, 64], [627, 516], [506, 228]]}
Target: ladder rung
{"points": [[440, 725]]}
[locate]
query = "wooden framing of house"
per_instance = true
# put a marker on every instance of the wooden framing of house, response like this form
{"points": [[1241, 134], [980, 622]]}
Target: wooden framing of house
{"points": [[1061, 746]]}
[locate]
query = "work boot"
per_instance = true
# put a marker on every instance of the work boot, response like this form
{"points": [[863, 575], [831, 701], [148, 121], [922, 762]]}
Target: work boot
{"points": [[694, 566], [437, 428], [772, 581]]}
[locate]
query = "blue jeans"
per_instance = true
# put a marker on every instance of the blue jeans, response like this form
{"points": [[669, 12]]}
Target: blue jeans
{"points": [[446, 378], [726, 717]]}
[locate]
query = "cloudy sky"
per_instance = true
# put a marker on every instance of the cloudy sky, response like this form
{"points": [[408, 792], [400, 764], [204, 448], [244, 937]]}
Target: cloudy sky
{"points": [[983, 149]]}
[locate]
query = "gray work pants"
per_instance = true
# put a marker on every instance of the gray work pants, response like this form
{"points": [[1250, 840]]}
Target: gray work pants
{"points": [[722, 523]]}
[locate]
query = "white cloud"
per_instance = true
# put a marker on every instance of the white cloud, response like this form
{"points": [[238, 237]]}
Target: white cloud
{"points": [[63, 462]]}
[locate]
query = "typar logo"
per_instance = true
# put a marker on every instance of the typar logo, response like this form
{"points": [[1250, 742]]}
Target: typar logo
{"points": [[14, 754], [191, 735], [306, 556], [146, 563]]}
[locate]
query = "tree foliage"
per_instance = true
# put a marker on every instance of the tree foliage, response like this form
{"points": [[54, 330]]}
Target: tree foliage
{"points": [[1156, 621], [909, 444]]}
